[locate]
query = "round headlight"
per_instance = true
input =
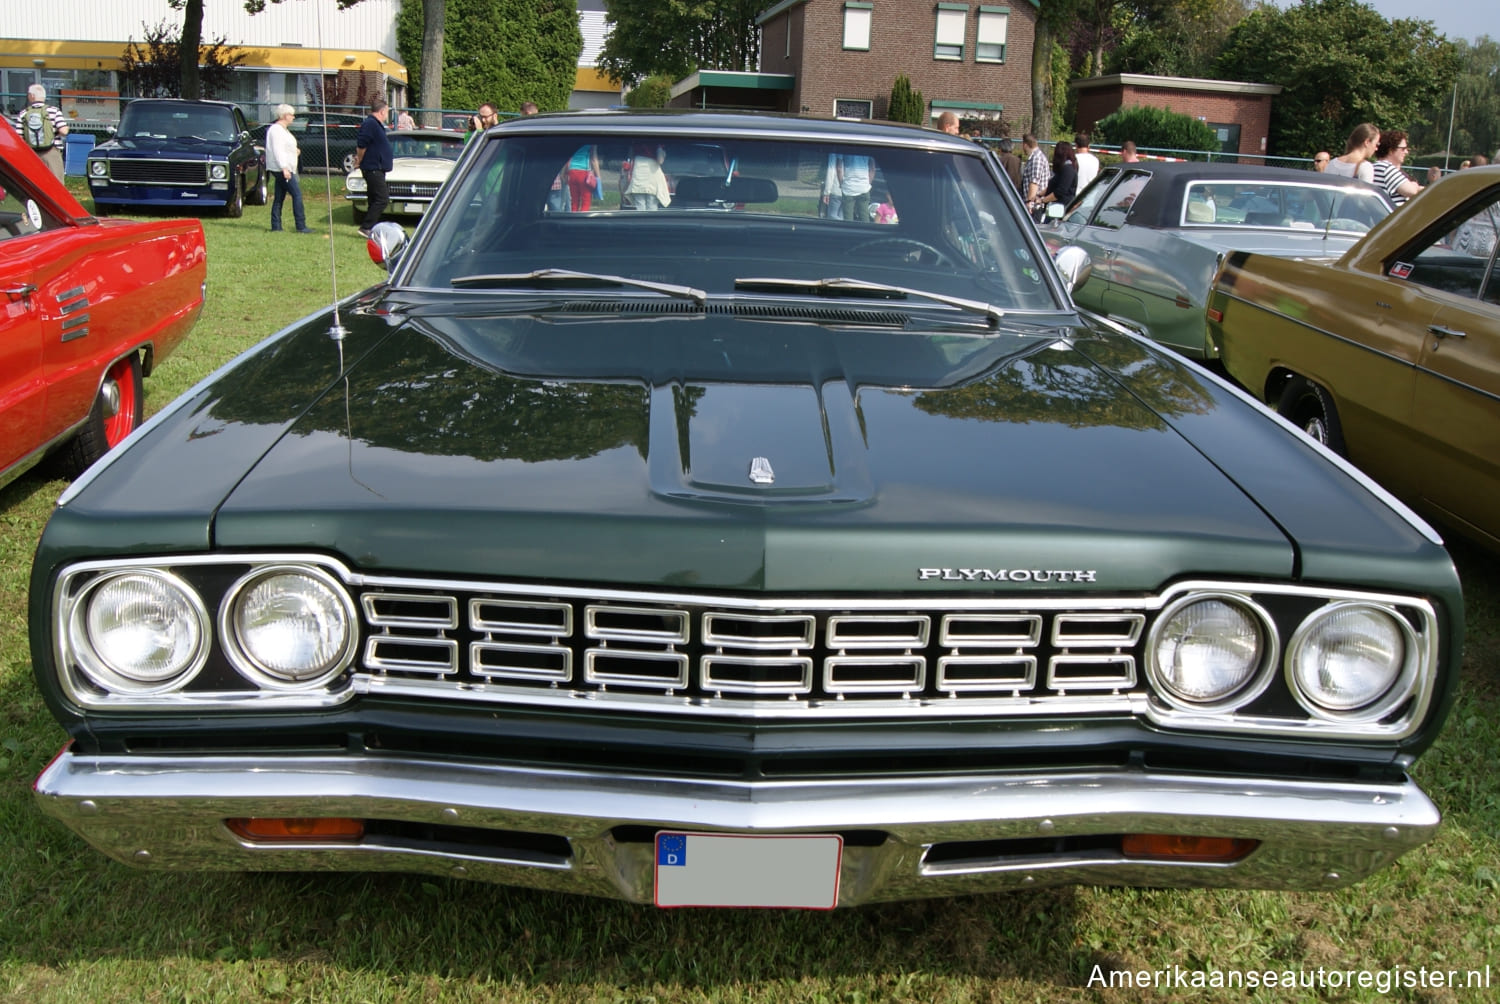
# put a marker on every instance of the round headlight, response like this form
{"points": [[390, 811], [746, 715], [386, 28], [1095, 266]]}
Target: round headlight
{"points": [[353, 184], [1350, 660], [1211, 652], [218, 172], [140, 632], [289, 627], [98, 168]]}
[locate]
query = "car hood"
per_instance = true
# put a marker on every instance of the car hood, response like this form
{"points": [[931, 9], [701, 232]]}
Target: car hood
{"points": [[614, 442], [634, 452], [178, 149], [433, 169]]}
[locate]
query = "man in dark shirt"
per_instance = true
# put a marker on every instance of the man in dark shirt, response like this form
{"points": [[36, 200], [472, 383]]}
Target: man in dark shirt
{"points": [[373, 158]]}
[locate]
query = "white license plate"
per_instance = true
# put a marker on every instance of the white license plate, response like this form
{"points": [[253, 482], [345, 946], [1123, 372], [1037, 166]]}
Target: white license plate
{"points": [[414, 207], [792, 871]]}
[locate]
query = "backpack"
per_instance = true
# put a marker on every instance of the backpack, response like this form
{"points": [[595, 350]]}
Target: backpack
{"points": [[36, 126]]}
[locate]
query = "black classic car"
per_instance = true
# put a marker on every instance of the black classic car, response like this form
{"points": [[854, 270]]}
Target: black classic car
{"points": [[325, 142], [171, 152], [735, 554]]}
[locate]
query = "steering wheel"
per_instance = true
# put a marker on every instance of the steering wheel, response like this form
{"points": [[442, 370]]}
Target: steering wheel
{"points": [[905, 246]]}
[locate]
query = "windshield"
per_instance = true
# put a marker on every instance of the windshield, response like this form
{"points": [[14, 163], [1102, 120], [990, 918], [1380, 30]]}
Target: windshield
{"points": [[710, 211], [441, 147], [164, 121]]}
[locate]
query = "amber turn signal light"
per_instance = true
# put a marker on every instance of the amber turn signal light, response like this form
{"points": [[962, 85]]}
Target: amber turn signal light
{"points": [[1176, 848], [293, 828]]}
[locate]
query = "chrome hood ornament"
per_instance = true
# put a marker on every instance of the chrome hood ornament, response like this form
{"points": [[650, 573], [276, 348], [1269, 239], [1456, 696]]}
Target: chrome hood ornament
{"points": [[760, 471]]}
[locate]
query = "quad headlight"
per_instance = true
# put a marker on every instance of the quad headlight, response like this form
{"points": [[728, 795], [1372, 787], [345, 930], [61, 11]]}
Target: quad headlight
{"points": [[218, 172], [1352, 662], [288, 627], [1211, 652], [139, 632]]}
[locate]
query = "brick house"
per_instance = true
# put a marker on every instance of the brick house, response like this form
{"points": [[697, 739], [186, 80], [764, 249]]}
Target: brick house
{"points": [[1239, 112], [842, 56]]}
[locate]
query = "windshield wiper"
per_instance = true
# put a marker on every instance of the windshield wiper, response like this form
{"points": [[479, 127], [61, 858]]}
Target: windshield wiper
{"points": [[858, 287], [568, 277]]}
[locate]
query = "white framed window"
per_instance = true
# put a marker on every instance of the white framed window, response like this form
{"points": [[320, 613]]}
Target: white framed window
{"points": [[853, 108], [952, 25], [857, 24], [989, 43]]}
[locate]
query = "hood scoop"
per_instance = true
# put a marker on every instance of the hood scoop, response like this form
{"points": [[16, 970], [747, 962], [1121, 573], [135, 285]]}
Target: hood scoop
{"points": [[749, 311]]}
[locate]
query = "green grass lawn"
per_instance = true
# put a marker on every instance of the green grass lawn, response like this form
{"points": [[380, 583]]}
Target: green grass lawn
{"points": [[76, 926]]}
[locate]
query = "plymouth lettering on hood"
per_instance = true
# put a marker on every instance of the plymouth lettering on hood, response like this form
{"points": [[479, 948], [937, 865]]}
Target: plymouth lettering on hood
{"points": [[1007, 574]]}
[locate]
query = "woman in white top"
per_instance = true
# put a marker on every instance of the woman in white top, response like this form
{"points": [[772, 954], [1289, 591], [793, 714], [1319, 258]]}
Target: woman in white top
{"points": [[1355, 163]]}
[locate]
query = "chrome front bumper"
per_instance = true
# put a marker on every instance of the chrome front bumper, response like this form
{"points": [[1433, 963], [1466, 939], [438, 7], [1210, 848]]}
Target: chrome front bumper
{"points": [[169, 812]]}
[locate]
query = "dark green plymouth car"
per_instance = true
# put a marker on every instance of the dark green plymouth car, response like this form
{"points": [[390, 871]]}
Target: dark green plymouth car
{"points": [[750, 551]]}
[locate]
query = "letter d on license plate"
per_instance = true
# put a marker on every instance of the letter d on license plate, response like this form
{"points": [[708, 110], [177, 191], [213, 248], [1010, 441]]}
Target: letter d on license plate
{"points": [[792, 871]]}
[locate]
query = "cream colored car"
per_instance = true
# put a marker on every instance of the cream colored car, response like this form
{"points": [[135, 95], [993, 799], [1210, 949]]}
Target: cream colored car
{"points": [[422, 160]]}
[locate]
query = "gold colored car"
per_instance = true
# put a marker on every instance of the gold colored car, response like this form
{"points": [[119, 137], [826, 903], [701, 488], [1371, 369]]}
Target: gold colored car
{"points": [[1390, 354]]}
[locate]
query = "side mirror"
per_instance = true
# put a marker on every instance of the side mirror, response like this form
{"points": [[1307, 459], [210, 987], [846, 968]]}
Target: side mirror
{"points": [[1075, 265], [386, 243], [1055, 210]]}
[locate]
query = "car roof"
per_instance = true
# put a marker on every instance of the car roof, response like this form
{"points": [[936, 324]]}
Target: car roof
{"points": [[421, 133], [708, 126], [179, 101], [1160, 203]]}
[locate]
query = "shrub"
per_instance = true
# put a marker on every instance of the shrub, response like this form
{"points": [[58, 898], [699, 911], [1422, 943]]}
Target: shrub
{"points": [[1160, 128], [906, 104], [653, 92]]}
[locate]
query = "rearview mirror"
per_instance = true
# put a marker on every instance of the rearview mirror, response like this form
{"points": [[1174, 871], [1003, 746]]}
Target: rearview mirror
{"points": [[386, 243], [1075, 265]]}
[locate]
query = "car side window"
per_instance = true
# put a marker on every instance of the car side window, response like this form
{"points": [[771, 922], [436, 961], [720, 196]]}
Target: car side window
{"points": [[1457, 256], [1116, 208], [1083, 207], [20, 214]]}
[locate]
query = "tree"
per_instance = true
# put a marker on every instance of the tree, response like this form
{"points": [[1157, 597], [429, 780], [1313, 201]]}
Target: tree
{"points": [[153, 68], [675, 37], [906, 105], [1339, 63], [501, 51], [1053, 18], [1473, 104], [1176, 38]]}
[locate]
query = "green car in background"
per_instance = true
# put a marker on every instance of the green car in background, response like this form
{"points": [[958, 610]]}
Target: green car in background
{"points": [[1156, 233], [738, 554]]}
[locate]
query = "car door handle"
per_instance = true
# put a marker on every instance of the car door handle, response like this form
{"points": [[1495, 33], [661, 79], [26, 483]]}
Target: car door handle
{"points": [[20, 292], [1443, 332]]}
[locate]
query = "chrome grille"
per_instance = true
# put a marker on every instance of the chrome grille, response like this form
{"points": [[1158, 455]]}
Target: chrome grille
{"points": [[413, 190], [159, 172], [718, 658]]}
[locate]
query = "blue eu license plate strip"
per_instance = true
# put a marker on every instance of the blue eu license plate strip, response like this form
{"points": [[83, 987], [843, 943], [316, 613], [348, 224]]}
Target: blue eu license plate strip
{"points": [[791, 871]]}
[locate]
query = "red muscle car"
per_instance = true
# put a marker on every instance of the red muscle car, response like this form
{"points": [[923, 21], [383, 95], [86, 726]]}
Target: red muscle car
{"points": [[87, 307]]}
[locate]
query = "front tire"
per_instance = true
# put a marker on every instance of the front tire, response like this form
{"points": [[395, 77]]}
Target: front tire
{"points": [[116, 414], [1310, 408], [235, 207], [257, 195]]}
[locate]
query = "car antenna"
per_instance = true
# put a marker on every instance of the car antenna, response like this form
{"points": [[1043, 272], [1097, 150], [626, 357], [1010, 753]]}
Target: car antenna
{"points": [[337, 332]]}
